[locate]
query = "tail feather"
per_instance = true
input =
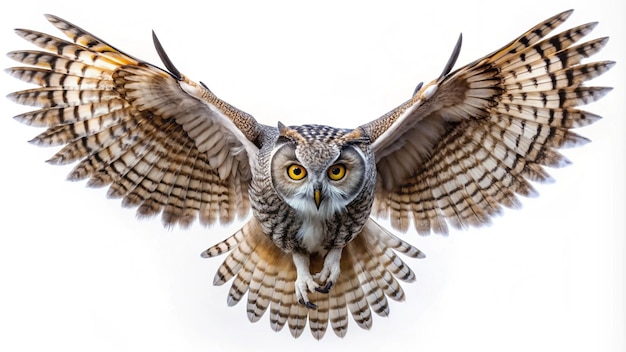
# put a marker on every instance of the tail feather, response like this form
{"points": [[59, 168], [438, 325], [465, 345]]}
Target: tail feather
{"points": [[241, 282], [318, 318], [373, 288], [297, 319], [258, 295], [279, 309], [338, 309], [370, 271], [355, 298]]}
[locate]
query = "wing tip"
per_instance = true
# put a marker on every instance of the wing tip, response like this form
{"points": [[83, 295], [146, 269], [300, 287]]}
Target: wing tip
{"points": [[56, 21], [562, 15], [51, 17]]}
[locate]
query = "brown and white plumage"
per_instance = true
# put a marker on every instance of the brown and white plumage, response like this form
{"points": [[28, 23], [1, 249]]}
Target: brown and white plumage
{"points": [[487, 129], [131, 126], [462, 147], [259, 267]]}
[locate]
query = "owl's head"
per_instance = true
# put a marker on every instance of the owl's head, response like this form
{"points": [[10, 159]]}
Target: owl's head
{"points": [[319, 170]]}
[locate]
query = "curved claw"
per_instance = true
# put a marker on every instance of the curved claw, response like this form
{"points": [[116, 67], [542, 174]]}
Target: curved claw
{"points": [[326, 288], [309, 305]]}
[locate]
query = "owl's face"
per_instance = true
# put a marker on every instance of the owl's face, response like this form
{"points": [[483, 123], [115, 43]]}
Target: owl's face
{"points": [[316, 171]]}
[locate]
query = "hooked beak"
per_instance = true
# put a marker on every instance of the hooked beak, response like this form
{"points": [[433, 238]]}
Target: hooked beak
{"points": [[317, 196]]}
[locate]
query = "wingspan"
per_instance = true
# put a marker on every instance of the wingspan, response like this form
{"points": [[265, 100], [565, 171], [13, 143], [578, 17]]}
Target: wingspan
{"points": [[467, 143], [161, 141]]}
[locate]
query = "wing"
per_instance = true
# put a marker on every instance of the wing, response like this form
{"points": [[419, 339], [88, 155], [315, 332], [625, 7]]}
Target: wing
{"points": [[161, 141], [467, 143]]}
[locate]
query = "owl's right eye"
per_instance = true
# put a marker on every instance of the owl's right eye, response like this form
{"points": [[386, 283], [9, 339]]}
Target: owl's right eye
{"points": [[296, 172]]}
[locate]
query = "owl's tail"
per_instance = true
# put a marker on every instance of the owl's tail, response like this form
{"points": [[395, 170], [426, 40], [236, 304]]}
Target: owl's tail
{"points": [[369, 273]]}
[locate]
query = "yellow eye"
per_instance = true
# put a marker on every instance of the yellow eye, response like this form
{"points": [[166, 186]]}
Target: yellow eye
{"points": [[336, 172], [296, 172]]}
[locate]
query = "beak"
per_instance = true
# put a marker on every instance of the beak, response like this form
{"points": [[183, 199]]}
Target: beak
{"points": [[317, 195]]}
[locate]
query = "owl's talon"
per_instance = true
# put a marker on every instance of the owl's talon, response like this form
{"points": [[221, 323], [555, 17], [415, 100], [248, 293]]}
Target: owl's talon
{"points": [[330, 271], [304, 281], [326, 288], [308, 304]]}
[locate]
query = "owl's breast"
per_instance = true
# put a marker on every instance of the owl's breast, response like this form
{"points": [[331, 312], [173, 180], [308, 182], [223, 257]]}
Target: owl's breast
{"points": [[310, 232], [312, 236]]}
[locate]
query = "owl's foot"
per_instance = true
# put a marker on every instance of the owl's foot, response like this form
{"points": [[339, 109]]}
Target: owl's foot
{"points": [[304, 285], [330, 272], [304, 281]]}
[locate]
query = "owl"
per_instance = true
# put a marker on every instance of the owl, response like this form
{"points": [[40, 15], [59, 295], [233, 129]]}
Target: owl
{"points": [[312, 247]]}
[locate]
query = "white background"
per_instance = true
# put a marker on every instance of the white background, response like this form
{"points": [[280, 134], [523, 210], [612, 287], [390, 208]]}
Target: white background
{"points": [[78, 273]]}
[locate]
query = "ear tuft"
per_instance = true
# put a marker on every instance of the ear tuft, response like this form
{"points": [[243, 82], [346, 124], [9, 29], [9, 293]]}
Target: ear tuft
{"points": [[357, 135], [289, 133]]}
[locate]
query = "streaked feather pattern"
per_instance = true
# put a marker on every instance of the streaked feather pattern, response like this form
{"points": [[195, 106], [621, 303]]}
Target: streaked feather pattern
{"points": [[370, 271], [117, 118], [491, 126]]}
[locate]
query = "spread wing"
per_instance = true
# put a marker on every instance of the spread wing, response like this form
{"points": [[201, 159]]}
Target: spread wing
{"points": [[467, 143], [161, 141]]}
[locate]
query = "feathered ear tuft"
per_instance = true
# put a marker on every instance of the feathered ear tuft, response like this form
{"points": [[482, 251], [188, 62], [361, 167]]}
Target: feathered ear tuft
{"points": [[357, 135], [289, 133]]}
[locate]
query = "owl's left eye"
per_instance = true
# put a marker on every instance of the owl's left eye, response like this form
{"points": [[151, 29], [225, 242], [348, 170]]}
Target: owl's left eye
{"points": [[337, 172]]}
